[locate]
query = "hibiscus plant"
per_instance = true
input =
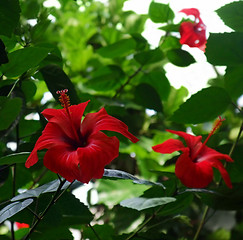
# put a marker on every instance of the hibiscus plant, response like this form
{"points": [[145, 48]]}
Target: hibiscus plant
{"points": [[97, 139]]}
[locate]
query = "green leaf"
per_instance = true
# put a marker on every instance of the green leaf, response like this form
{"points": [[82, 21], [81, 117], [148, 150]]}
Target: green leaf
{"points": [[74, 212], [175, 99], [141, 203], [159, 81], [29, 89], [22, 60], [56, 79], [170, 43], [182, 202], [9, 16], [13, 208], [149, 56], [120, 48], [113, 192], [231, 43], [160, 13], [233, 81], [232, 15], [104, 231], [112, 173], [226, 199], [14, 158], [106, 78], [180, 57], [46, 188], [203, 106], [9, 110], [146, 96]]}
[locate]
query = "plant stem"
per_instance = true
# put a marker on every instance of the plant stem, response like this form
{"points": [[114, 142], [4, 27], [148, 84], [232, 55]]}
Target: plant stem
{"points": [[145, 223], [201, 223], [127, 82], [52, 202], [95, 233]]}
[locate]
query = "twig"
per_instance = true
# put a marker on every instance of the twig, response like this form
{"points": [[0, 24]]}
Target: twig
{"points": [[127, 82]]}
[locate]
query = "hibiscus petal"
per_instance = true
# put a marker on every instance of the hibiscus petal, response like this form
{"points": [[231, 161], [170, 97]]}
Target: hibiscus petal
{"points": [[208, 154], [193, 175], [100, 151], [217, 164], [191, 141], [51, 136], [169, 146], [191, 11], [60, 117], [63, 161], [94, 122]]}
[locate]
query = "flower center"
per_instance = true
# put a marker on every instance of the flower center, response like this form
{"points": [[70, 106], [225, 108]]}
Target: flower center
{"points": [[216, 126], [65, 102]]}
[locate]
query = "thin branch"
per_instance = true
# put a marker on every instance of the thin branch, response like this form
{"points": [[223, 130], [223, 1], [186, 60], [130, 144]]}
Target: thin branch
{"points": [[201, 223], [127, 82], [95, 233]]}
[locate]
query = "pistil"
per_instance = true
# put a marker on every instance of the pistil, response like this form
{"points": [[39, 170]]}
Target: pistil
{"points": [[65, 102], [216, 126]]}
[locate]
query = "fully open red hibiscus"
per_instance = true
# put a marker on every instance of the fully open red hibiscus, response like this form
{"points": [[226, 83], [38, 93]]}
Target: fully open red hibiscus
{"points": [[193, 33], [194, 166], [78, 149]]}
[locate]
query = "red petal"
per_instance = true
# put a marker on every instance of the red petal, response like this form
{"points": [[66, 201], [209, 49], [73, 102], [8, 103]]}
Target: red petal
{"points": [[63, 161], [191, 11], [100, 151], [217, 164], [84, 163], [194, 35], [193, 175], [191, 141], [60, 117], [51, 136], [169, 146], [94, 122]]}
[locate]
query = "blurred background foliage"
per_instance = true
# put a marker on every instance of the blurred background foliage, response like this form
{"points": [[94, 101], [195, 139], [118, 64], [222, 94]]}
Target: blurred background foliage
{"points": [[97, 51]]}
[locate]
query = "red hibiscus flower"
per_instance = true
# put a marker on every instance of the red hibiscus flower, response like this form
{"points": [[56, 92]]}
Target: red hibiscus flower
{"points": [[194, 166], [77, 149], [193, 34], [22, 225]]}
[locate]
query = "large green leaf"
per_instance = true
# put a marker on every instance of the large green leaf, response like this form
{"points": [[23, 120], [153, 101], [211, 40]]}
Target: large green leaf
{"points": [[232, 15], [56, 79], [46, 188], [146, 96], [233, 81], [9, 16], [14, 158], [9, 110], [203, 106], [13, 208], [149, 56], [22, 60], [160, 13], [142, 203], [180, 57], [106, 78], [225, 48], [120, 48], [112, 173], [159, 81]]}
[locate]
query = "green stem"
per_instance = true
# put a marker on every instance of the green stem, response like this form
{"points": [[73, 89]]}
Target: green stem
{"points": [[95, 233], [127, 82], [144, 224], [201, 223]]}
